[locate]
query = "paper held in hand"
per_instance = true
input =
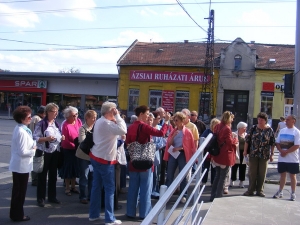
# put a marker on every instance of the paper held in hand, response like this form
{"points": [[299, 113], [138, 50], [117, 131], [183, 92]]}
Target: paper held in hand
{"points": [[174, 154]]}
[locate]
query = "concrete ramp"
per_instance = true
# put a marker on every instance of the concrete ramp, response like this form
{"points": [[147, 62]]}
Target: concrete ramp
{"points": [[252, 211]]}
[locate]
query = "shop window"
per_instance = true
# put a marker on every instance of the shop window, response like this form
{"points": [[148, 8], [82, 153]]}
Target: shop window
{"points": [[181, 100], [154, 99], [237, 62], [266, 105], [133, 100]]}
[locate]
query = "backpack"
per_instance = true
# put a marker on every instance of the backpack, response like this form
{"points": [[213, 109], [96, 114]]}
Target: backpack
{"points": [[88, 142], [213, 146]]}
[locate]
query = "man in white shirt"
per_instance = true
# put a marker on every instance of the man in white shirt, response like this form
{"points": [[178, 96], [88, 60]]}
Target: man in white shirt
{"points": [[287, 143], [103, 159]]}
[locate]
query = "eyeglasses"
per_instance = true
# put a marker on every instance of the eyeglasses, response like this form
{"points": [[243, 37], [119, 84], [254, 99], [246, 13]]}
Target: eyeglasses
{"points": [[75, 115], [193, 114], [54, 111], [29, 117]]}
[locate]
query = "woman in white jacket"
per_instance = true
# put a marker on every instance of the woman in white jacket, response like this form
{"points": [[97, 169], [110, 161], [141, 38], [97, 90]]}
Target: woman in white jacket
{"points": [[22, 152]]}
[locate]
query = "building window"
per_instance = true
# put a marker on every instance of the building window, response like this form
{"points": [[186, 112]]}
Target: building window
{"points": [[133, 100], [242, 98], [181, 100], [205, 100], [154, 99], [237, 62], [266, 105]]}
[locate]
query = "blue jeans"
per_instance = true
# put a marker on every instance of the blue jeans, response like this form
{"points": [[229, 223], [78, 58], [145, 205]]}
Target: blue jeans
{"points": [[139, 181], [85, 178], [172, 166], [219, 182], [104, 175]]}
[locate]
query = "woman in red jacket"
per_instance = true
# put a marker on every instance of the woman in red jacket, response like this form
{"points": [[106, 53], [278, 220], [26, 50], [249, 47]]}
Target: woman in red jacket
{"points": [[140, 182], [226, 158]]}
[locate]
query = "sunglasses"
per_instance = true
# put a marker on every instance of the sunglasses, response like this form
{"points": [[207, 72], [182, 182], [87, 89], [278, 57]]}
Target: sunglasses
{"points": [[193, 115], [29, 117]]}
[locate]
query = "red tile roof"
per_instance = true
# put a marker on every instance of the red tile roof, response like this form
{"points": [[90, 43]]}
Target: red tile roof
{"points": [[193, 54]]}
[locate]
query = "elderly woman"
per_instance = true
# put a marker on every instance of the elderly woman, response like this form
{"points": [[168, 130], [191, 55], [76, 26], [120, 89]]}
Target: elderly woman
{"points": [[226, 158], [48, 136], [239, 162], [70, 130], [141, 179], [262, 142], [180, 140], [85, 175], [22, 151], [207, 162]]}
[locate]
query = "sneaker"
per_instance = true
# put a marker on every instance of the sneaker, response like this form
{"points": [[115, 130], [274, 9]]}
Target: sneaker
{"points": [[98, 218], [241, 184], [225, 190], [116, 222], [183, 200], [278, 194], [293, 197], [231, 184]]}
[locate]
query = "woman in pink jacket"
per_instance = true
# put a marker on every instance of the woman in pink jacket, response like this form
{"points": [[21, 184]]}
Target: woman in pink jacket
{"points": [[181, 140]]}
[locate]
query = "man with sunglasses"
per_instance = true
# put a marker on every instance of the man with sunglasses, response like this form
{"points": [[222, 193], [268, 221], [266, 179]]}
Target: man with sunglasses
{"points": [[199, 124]]}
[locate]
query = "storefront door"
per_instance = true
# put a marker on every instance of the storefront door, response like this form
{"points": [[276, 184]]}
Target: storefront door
{"points": [[237, 103]]}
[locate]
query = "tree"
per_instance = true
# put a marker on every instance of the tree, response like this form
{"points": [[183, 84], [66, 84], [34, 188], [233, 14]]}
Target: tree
{"points": [[70, 70]]}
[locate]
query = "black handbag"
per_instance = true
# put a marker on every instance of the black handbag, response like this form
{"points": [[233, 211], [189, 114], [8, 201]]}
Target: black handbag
{"points": [[141, 155], [88, 142]]}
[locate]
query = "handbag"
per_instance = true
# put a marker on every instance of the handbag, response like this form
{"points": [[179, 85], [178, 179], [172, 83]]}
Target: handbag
{"points": [[141, 155], [38, 164], [88, 142]]}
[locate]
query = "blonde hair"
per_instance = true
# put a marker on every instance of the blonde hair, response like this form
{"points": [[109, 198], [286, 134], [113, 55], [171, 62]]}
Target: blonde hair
{"points": [[90, 114], [181, 116], [213, 123], [227, 115], [50, 107]]}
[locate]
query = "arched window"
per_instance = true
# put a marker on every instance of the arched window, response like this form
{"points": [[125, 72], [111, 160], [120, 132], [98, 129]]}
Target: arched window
{"points": [[237, 62]]}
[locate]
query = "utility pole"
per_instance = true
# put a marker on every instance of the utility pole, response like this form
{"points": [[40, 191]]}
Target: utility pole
{"points": [[207, 103], [296, 109]]}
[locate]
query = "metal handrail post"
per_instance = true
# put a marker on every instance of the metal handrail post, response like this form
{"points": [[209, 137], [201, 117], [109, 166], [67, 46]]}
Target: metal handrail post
{"points": [[166, 197], [161, 216]]}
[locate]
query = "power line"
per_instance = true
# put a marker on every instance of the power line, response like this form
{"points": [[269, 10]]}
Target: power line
{"points": [[135, 6], [7, 2], [145, 27], [180, 4]]}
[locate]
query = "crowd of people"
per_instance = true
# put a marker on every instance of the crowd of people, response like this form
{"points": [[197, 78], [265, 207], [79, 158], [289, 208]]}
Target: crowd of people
{"points": [[102, 172]]}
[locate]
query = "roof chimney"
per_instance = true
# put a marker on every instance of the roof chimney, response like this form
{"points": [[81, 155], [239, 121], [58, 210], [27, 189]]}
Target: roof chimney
{"points": [[186, 41]]}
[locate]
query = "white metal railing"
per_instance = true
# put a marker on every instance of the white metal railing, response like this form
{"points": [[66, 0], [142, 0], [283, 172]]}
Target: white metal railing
{"points": [[166, 193]]}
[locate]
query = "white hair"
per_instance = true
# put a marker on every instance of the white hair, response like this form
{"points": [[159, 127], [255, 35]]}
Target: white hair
{"points": [[160, 109], [241, 125], [151, 115], [133, 118], [68, 110], [106, 107], [186, 112]]}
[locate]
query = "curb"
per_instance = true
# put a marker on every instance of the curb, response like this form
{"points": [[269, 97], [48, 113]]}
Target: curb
{"points": [[277, 182]]}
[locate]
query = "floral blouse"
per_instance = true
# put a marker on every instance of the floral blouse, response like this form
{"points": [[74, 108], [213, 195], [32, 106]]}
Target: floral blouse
{"points": [[261, 141]]}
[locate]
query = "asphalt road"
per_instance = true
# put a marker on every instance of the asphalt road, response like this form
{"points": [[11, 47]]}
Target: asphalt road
{"points": [[73, 212]]}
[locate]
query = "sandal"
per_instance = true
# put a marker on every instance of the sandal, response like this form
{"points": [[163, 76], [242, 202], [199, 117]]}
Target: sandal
{"points": [[74, 190], [68, 192]]}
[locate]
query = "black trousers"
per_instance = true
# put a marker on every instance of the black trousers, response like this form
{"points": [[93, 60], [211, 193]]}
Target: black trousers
{"points": [[50, 169], [241, 167], [20, 181]]}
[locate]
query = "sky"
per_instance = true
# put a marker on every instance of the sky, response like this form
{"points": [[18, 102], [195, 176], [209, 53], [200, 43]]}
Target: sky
{"points": [[45, 35]]}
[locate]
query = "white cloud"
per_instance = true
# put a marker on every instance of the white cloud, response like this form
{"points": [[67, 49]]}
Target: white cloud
{"points": [[173, 11], [14, 17], [257, 17], [127, 37]]}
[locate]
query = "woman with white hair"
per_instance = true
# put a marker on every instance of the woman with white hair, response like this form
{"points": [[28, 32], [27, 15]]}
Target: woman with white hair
{"points": [[241, 133], [70, 129]]}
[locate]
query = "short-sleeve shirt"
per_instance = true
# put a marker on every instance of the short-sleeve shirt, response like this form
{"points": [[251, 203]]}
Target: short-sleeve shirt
{"points": [[192, 127], [260, 141], [287, 138]]}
